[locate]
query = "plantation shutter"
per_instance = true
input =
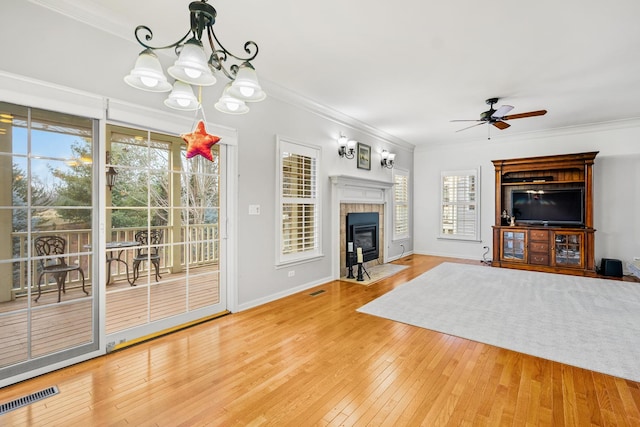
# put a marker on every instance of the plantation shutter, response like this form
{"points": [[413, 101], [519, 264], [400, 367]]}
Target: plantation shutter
{"points": [[299, 202], [401, 205], [459, 214]]}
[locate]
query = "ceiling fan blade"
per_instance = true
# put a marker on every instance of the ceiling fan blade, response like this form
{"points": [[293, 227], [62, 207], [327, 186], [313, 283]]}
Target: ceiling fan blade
{"points": [[501, 125], [523, 115], [469, 127], [462, 120], [500, 112]]}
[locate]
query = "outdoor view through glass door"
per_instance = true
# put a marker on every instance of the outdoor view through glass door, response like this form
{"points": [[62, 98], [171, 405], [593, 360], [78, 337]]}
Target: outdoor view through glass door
{"points": [[162, 225], [161, 268], [46, 211]]}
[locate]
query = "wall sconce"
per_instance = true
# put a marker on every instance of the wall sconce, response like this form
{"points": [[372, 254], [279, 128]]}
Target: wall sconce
{"points": [[387, 159], [347, 147], [111, 173]]}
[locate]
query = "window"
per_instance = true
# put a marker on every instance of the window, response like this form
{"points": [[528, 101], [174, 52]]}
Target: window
{"points": [[299, 208], [400, 204], [460, 205]]}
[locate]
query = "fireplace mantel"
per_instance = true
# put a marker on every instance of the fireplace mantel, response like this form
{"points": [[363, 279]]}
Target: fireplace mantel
{"points": [[351, 189], [354, 181]]}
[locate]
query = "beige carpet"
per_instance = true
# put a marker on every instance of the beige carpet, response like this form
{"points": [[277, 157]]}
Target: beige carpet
{"points": [[590, 323], [377, 273]]}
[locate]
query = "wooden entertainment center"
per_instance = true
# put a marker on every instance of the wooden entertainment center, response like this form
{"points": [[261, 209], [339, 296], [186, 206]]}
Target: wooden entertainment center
{"points": [[567, 249]]}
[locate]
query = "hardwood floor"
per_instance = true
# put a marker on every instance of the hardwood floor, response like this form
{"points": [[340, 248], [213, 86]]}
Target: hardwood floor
{"points": [[313, 360]]}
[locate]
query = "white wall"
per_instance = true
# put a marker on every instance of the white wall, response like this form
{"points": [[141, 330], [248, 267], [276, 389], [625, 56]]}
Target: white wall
{"points": [[616, 184], [259, 279], [48, 46]]}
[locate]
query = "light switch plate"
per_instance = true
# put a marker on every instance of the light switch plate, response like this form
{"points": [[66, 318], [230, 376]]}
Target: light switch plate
{"points": [[254, 209]]}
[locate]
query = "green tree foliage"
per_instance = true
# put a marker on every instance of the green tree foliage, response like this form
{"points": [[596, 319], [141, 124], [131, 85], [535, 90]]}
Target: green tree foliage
{"points": [[143, 181], [74, 189], [41, 195]]}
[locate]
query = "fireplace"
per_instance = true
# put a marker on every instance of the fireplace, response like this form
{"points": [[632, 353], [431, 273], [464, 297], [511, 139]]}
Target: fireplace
{"points": [[363, 232], [357, 195]]}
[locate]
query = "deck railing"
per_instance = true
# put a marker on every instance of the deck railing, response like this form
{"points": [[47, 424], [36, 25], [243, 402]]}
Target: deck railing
{"points": [[202, 247]]}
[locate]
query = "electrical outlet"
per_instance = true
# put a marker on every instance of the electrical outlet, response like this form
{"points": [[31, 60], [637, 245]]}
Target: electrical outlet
{"points": [[292, 273]]}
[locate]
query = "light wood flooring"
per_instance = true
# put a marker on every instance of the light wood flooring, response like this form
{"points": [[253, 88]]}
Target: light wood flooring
{"points": [[313, 361]]}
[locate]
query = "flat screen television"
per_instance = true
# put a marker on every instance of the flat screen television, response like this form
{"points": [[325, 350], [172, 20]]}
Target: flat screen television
{"points": [[552, 207]]}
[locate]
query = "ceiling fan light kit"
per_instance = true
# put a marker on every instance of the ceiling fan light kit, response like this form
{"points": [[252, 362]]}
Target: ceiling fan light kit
{"points": [[498, 117]]}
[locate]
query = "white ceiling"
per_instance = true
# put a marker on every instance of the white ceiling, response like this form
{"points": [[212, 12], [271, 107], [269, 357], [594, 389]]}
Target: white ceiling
{"points": [[408, 68]]}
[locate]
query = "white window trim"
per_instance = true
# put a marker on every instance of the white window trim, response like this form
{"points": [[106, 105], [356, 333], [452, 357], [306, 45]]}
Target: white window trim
{"points": [[285, 144], [467, 172], [402, 236]]}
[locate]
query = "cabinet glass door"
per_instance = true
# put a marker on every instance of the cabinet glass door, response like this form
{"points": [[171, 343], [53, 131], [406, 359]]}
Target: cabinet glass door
{"points": [[568, 249], [513, 244]]}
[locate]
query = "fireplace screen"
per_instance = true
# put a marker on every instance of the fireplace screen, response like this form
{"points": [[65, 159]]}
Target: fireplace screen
{"points": [[364, 237]]}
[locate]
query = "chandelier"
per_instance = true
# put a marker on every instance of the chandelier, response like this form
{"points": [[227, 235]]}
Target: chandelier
{"points": [[193, 68]]}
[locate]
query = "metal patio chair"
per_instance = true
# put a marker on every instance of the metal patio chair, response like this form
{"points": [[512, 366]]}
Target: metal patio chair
{"points": [[147, 251], [51, 249]]}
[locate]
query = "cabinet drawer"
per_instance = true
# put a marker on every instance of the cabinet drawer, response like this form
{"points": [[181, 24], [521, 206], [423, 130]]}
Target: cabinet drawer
{"points": [[539, 235], [540, 259], [539, 247]]}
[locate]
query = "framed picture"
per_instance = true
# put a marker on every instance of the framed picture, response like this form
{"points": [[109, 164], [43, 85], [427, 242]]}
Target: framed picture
{"points": [[364, 156]]}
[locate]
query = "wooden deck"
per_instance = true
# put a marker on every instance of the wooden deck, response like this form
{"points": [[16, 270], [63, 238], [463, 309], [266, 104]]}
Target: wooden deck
{"points": [[57, 326], [311, 359]]}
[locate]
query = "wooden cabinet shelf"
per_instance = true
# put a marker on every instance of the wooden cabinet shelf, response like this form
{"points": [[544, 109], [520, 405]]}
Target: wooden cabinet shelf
{"points": [[558, 249], [536, 183], [554, 249]]}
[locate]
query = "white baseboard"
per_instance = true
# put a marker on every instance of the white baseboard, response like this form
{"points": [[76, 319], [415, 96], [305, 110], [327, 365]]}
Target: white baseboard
{"points": [[260, 301], [395, 258], [446, 255]]}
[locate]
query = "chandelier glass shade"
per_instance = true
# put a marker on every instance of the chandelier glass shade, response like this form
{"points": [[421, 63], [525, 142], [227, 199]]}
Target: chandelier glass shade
{"points": [[191, 66], [147, 73], [230, 104], [182, 97], [246, 86], [194, 66]]}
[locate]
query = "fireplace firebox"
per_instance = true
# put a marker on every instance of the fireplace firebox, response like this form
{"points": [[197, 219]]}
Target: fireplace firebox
{"points": [[363, 232]]}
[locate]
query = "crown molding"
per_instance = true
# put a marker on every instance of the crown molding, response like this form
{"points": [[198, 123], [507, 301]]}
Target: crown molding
{"points": [[91, 13], [288, 96]]}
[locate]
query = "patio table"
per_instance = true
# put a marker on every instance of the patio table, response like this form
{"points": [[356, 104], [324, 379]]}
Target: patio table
{"points": [[114, 253]]}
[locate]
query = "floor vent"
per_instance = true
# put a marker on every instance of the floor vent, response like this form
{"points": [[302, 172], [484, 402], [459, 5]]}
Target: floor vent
{"points": [[28, 400], [321, 291]]}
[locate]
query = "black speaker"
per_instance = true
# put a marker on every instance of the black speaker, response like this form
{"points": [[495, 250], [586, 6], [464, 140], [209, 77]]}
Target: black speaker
{"points": [[611, 267]]}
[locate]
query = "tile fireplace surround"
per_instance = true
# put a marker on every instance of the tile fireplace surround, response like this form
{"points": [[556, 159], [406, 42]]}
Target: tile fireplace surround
{"points": [[346, 208], [351, 194]]}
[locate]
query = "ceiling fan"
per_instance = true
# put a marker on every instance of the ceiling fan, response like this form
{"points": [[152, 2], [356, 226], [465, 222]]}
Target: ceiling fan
{"points": [[498, 117]]}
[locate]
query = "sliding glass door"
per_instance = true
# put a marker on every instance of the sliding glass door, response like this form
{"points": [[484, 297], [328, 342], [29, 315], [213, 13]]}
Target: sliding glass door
{"points": [[47, 293], [163, 237], [146, 246]]}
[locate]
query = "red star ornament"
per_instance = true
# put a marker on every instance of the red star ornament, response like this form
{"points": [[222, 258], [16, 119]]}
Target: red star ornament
{"points": [[199, 142]]}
